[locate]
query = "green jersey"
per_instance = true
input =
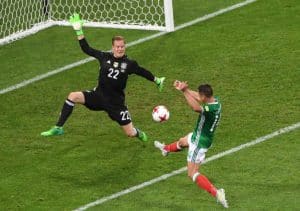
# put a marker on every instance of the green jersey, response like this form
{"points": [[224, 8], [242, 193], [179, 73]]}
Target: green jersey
{"points": [[206, 124]]}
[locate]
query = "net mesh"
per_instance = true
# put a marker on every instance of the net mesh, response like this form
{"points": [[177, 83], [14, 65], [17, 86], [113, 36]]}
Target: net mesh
{"points": [[21, 15], [131, 12]]}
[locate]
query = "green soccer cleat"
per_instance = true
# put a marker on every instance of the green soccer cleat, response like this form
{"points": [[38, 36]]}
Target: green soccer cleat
{"points": [[160, 83], [142, 136], [53, 131]]}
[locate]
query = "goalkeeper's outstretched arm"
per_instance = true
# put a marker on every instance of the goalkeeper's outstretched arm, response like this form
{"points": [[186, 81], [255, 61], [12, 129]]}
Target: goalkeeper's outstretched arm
{"points": [[138, 70], [77, 24], [148, 75]]}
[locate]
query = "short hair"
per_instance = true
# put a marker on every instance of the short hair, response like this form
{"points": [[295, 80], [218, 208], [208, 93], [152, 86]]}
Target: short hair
{"points": [[117, 38], [206, 89]]}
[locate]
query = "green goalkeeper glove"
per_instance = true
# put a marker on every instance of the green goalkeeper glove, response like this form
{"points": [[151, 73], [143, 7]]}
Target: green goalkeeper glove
{"points": [[160, 83], [77, 23]]}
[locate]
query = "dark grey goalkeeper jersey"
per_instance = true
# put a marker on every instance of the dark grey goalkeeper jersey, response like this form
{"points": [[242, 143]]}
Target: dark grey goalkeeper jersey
{"points": [[114, 73]]}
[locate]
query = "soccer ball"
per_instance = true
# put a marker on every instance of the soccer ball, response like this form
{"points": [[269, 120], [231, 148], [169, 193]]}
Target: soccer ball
{"points": [[160, 113]]}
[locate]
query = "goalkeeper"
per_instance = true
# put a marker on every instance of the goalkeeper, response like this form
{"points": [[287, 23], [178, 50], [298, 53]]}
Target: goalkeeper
{"points": [[108, 96]]}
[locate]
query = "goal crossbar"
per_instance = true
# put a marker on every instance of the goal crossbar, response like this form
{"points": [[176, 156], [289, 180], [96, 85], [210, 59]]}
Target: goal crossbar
{"points": [[163, 21]]}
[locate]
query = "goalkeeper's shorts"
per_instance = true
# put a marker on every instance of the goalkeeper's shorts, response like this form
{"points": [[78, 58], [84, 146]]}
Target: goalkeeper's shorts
{"points": [[119, 113]]}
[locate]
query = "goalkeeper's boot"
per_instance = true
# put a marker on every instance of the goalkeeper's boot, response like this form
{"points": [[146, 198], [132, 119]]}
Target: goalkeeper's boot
{"points": [[221, 197], [161, 147], [160, 83], [142, 135], [53, 131]]}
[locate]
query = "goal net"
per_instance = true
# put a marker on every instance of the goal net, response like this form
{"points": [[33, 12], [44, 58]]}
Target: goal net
{"points": [[20, 18]]}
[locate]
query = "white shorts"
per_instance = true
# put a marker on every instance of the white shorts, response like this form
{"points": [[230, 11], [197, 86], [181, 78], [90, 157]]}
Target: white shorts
{"points": [[195, 154]]}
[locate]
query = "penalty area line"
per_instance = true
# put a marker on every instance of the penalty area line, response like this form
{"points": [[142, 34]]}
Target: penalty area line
{"points": [[133, 43], [181, 170]]}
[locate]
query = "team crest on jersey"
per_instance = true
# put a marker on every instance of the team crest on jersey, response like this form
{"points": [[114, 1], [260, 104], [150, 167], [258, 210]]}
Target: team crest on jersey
{"points": [[206, 108], [116, 64], [123, 65]]}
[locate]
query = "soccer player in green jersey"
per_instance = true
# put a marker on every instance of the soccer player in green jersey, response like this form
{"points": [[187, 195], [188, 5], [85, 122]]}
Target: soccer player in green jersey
{"points": [[200, 140]]}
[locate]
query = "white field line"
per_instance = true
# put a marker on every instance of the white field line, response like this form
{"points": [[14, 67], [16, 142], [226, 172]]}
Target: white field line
{"points": [[181, 170], [139, 41]]}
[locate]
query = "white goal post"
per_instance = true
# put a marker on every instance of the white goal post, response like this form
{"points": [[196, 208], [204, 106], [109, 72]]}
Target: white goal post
{"points": [[20, 18]]}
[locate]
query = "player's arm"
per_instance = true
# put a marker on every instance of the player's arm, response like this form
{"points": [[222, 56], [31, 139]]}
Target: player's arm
{"points": [[138, 70], [192, 102], [77, 24], [179, 85], [191, 96]]}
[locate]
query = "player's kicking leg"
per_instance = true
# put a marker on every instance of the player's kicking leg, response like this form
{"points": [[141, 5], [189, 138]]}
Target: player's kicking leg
{"points": [[73, 98], [173, 147]]}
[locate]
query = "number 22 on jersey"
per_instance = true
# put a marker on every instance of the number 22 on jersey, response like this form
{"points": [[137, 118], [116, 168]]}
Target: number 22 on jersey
{"points": [[113, 73]]}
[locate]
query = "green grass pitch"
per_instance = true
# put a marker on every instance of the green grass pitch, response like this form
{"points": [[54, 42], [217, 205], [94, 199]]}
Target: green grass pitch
{"points": [[250, 56]]}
